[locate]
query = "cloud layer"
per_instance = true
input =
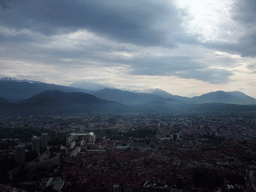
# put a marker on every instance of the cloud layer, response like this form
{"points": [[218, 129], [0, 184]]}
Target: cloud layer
{"points": [[114, 42]]}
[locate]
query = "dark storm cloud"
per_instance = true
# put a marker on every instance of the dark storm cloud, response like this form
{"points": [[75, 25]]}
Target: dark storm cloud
{"points": [[33, 30], [244, 14], [246, 46], [183, 67], [4, 4], [213, 76], [163, 66], [244, 11], [139, 22]]}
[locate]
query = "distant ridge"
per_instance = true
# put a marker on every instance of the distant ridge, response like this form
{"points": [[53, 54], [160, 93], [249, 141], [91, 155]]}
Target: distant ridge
{"points": [[159, 92], [56, 97], [247, 99], [167, 95], [235, 97], [16, 90], [126, 97], [88, 86], [55, 102], [4, 101]]}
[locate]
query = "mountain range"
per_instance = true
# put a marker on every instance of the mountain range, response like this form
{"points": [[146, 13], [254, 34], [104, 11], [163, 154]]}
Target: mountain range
{"points": [[56, 97], [20, 95], [15, 90], [234, 97], [88, 86], [59, 102]]}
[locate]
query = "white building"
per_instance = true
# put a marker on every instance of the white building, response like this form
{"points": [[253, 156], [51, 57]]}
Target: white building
{"points": [[92, 138]]}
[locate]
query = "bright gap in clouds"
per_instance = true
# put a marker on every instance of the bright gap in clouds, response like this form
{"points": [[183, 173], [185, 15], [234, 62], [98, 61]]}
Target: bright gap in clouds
{"points": [[211, 20]]}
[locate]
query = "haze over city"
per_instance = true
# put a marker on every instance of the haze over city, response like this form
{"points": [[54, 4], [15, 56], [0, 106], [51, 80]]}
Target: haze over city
{"points": [[186, 48]]}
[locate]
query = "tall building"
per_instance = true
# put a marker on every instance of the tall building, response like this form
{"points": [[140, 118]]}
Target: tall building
{"points": [[44, 140], [92, 138], [158, 129], [20, 154], [36, 144]]}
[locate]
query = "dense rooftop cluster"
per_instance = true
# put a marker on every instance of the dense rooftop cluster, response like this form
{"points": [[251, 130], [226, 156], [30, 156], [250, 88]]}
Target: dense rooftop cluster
{"points": [[132, 152]]}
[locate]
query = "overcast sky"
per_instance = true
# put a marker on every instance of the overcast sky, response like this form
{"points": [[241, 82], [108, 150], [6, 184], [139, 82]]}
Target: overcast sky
{"points": [[184, 47]]}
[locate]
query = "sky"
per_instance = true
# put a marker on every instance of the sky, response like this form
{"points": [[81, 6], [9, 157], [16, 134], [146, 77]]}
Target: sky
{"points": [[185, 47]]}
